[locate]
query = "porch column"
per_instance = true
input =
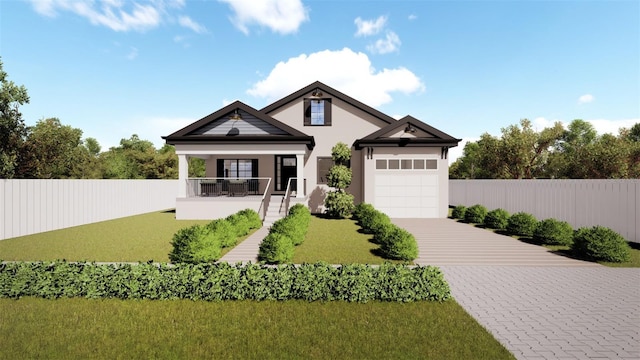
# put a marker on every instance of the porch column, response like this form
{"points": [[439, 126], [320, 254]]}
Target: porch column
{"points": [[183, 173], [300, 175]]}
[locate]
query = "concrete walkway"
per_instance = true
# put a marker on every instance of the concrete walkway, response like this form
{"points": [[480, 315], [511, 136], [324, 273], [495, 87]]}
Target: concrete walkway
{"points": [[539, 305], [247, 251]]}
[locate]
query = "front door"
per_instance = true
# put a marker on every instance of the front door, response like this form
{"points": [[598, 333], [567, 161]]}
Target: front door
{"points": [[285, 169]]}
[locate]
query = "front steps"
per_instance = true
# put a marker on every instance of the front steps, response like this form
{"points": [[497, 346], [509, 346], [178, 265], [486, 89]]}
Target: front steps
{"points": [[276, 210]]}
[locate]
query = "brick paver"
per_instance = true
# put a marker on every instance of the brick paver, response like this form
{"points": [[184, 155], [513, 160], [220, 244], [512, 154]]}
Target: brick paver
{"points": [[539, 305]]}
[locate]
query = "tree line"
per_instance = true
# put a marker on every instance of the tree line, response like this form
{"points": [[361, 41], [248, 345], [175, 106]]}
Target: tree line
{"points": [[577, 152], [52, 150]]}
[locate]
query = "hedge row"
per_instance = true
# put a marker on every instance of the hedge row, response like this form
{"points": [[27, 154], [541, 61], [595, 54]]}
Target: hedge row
{"points": [[222, 281], [204, 243], [595, 244], [395, 242], [284, 235]]}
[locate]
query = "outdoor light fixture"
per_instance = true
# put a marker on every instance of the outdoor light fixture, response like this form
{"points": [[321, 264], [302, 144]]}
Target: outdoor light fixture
{"points": [[410, 129], [317, 94], [235, 116]]}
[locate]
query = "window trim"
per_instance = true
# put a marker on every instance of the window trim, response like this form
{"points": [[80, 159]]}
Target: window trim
{"points": [[327, 112], [318, 177], [220, 168]]}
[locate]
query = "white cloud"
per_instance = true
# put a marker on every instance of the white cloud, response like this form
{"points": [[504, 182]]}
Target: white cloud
{"points": [[190, 24], [412, 17], [369, 27], [281, 16], [387, 45], [119, 15], [602, 126], [133, 53], [586, 98], [345, 70]]}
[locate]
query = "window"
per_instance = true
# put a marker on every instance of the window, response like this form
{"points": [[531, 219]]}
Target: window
{"points": [[324, 164], [406, 164], [317, 112], [237, 168]]}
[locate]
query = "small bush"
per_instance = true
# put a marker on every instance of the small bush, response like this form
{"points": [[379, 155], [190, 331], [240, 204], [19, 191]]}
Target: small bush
{"points": [[224, 231], [383, 233], [195, 244], [362, 212], [253, 218], [458, 212], [599, 243], [475, 214], [276, 248], [339, 204], [239, 223], [553, 232], [399, 244], [522, 224], [496, 219]]}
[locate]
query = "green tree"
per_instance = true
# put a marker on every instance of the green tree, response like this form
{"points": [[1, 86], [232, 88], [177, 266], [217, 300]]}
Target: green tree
{"points": [[12, 127], [338, 202], [54, 150]]}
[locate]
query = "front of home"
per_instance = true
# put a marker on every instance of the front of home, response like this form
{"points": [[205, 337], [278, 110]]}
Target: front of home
{"points": [[283, 152]]}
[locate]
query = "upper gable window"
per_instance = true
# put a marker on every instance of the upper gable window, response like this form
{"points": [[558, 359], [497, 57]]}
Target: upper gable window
{"points": [[317, 112]]}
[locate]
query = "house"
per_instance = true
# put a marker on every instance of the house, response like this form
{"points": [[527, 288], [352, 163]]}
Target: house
{"points": [[270, 158]]}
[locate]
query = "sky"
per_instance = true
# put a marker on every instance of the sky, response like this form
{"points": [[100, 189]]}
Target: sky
{"points": [[114, 68]]}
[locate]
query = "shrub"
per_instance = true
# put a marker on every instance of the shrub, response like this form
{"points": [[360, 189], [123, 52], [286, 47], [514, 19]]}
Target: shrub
{"points": [[522, 224], [496, 219], [600, 244], [195, 244], [362, 212], [553, 232], [253, 218], [458, 212], [475, 214], [224, 231], [383, 232], [339, 204], [276, 248], [339, 177], [399, 244], [379, 220], [239, 223]]}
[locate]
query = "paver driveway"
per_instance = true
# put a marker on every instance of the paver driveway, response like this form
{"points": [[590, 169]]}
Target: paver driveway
{"points": [[537, 304]]}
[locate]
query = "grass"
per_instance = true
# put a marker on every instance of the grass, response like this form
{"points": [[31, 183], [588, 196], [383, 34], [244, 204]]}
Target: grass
{"points": [[131, 239], [336, 241], [109, 329]]}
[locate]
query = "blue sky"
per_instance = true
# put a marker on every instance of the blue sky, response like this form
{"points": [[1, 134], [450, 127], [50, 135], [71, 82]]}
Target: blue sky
{"points": [[118, 67]]}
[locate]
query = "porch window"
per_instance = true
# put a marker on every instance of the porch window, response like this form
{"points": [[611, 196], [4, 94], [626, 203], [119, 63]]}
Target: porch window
{"points": [[317, 112], [237, 168]]}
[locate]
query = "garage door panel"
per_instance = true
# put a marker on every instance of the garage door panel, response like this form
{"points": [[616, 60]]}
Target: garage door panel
{"points": [[407, 194]]}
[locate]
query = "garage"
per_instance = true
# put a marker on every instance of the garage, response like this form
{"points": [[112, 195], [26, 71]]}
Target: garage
{"points": [[407, 187]]}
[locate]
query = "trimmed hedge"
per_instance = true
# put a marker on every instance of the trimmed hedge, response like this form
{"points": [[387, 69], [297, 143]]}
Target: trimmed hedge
{"points": [[553, 232], [497, 219], [222, 281], [395, 242], [284, 234], [599, 243], [458, 212], [475, 214], [522, 224], [201, 244]]}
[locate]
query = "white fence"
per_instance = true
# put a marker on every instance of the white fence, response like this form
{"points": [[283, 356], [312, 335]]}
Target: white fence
{"points": [[33, 206], [611, 203]]}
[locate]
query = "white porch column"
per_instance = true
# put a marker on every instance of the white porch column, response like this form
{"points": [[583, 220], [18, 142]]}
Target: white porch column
{"points": [[183, 173], [300, 175]]}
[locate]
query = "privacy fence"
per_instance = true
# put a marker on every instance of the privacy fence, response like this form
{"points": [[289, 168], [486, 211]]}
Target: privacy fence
{"points": [[33, 206], [611, 203]]}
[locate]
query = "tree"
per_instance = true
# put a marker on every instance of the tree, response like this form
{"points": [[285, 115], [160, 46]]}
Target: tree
{"points": [[338, 202], [54, 150], [12, 127]]}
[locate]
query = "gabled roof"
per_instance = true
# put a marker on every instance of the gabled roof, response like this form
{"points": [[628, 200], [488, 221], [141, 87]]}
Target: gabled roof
{"points": [[435, 138], [334, 93], [196, 132]]}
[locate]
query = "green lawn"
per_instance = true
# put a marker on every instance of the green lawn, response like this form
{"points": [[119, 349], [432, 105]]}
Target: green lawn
{"points": [[109, 329], [131, 239], [336, 242]]}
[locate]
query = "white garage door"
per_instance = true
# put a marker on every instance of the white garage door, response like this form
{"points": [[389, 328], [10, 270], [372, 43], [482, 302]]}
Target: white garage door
{"points": [[402, 191]]}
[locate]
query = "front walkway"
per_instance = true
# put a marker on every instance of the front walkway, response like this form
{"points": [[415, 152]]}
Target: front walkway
{"points": [[537, 304], [247, 251]]}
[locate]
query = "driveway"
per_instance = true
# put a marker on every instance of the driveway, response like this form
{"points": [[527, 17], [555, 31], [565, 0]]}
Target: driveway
{"points": [[539, 305]]}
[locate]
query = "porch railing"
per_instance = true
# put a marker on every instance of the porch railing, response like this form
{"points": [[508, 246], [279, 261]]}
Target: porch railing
{"points": [[291, 184], [266, 198], [212, 187]]}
